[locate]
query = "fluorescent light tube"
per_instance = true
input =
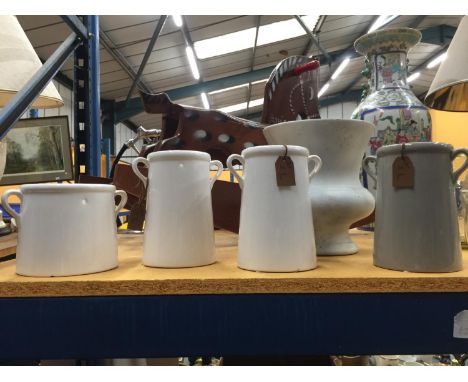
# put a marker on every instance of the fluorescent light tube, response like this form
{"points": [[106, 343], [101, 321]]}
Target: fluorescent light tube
{"points": [[227, 89], [413, 77], [177, 20], [259, 81], [237, 86], [192, 62], [381, 21], [242, 106], [323, 90], [205, 102], [340, 68], [436, 61]]}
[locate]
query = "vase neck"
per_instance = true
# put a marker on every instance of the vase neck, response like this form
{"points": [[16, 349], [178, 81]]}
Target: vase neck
{"points": [[388, 70]]}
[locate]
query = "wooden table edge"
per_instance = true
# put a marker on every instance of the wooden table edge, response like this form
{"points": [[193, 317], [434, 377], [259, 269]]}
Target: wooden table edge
{"points": [[230, 286]]}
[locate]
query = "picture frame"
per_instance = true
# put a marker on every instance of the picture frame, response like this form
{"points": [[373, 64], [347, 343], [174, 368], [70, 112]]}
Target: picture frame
{"points": [[38, 150]]}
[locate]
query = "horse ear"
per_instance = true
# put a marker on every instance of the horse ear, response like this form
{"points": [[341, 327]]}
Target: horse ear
{"points": [[156, 103]]}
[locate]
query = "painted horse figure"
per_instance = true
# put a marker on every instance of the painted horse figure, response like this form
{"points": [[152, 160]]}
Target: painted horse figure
{"points": [[290, 94]]}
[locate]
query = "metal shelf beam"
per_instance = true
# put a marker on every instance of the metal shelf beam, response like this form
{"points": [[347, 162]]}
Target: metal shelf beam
{"points": [[222, 325]]}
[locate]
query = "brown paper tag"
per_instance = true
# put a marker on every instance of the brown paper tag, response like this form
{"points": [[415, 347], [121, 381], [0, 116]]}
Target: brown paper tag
{"points": [[403, 172], [285, 171]]}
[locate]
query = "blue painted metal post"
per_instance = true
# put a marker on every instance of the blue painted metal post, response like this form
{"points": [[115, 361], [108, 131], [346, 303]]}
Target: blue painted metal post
{"points": [[94, 97], [106, 148]]}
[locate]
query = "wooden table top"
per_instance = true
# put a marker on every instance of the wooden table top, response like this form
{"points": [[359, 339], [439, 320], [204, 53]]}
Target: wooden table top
{"points": [[334, 274]]}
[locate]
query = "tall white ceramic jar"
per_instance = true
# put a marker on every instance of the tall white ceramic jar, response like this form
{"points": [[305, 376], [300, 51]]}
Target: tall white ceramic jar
{"points": [[65, 229], [338, 198], [179, 228], [416, 229], [276, 231]]}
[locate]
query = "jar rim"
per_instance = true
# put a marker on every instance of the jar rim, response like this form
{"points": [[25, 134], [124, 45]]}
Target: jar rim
{"points": [[414, 147], [178, 155], [66, 188]]}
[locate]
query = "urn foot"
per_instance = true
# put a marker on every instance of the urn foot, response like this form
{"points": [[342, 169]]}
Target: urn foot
{"points": [[333, 243]]}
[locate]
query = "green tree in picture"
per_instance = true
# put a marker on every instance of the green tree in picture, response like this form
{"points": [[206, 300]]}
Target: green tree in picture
{"points": [[15, 162], [49, 153]]}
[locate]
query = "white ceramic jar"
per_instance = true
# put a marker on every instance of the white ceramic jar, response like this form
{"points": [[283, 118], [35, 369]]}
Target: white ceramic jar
{"points": [[179, 228], [276, 232], [416, 229], [338, 198], [65, 229]]}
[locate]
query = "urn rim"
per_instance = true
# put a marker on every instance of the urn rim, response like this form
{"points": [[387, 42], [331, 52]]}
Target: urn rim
{"points": [[322, 123], [387, 40], [277, 150]]}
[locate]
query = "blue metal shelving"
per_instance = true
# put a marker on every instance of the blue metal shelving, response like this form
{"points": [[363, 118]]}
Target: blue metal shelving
{"points": [[256, 324]]}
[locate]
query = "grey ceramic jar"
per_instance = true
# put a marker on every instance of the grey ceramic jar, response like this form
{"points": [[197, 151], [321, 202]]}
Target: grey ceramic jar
{"points": [[416, 228]]}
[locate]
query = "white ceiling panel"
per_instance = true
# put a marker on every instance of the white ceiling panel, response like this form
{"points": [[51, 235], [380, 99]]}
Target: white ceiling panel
{"points": [[159, 66], [114, 22], [118, 75], [138, 47], [158, 55], [29, 22], [132, 33], [48, 35]]}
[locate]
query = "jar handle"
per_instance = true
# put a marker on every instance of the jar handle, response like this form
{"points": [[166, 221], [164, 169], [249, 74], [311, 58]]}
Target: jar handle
{"points": [[137, 171], [7, 206], [367, 168], [317, 165], [220, 166], [123, 200], [464, 166], [229, 161]]}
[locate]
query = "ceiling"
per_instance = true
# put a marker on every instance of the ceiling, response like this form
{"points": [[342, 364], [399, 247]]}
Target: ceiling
{"points": [[167, 67]]}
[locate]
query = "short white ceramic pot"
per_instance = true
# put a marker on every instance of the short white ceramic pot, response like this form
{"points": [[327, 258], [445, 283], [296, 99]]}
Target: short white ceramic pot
{"points": [[338, 198], [179, 228], [276, 231], [416, 228], [65, 229]]}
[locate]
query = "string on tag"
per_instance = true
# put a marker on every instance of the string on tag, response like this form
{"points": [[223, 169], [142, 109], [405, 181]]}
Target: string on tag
{"points": [[284, 165], [403, 170]]}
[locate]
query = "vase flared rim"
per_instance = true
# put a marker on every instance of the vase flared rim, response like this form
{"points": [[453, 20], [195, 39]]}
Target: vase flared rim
{"points": [[387, 40], [275, 150], [322, 124]]}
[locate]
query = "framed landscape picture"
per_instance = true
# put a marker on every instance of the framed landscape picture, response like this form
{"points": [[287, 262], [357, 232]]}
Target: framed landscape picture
{"points": [[38, 150]]}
